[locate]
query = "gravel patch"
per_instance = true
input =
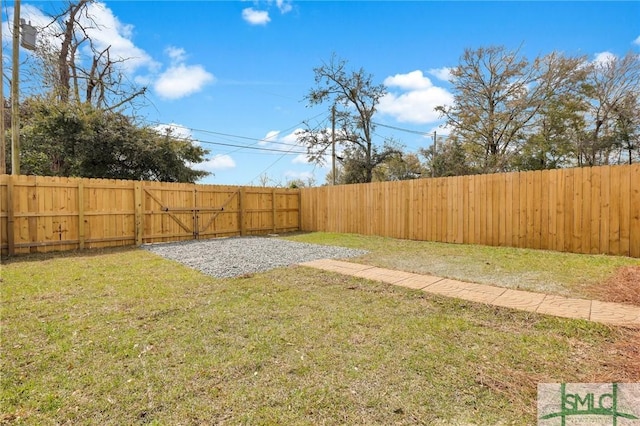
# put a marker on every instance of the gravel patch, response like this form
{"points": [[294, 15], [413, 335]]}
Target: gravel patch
{"points": [[233, 257]]}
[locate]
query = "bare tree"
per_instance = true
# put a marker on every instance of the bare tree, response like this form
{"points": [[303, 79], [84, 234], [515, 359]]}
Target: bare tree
{"points": [[98, 79], [355, 97], [550, 141], [497, 96], [612, 111]]}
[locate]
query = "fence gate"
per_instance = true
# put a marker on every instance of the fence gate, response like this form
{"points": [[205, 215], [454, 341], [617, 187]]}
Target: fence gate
{"points": [[180, 214]]}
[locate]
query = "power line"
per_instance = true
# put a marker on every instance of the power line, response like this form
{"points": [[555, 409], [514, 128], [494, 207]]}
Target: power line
{"points": [[257, 148], [415, 132], [193, 129]]}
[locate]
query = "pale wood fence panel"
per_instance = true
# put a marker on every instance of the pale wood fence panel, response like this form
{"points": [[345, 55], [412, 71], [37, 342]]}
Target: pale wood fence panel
{"points": [[580, 210], [40, 214]]}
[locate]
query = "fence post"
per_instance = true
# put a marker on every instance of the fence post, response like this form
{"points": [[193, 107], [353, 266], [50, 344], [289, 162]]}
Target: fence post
{"points": [[273, 209], [241, 211], [194, 202], [81, 230], [299, 209], [409, 212], [10, 218], [33, 207], [139, 212]]}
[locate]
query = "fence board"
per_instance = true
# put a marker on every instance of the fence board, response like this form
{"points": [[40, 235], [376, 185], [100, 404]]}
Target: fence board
{"points": [[552, 201], [502, 207], [625, 212], [482, 209], [545, 209], [464, 216], [514, 197], [595, 212], [578, 201], [522, 210]]}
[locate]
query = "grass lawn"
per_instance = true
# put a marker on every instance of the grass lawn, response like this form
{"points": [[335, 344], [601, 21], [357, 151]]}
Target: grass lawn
{"points": [[566, 274], [125, 337]]}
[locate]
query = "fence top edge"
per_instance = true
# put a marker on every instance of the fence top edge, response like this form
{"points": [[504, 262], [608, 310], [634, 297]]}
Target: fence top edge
{"points": [[6, 178]]}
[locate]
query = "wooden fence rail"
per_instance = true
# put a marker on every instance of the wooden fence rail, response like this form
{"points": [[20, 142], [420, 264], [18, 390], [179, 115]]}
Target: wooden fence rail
{"points": [[579, 210], [40, 214]]}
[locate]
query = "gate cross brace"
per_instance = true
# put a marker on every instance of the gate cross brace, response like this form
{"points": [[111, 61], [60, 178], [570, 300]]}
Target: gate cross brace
{"points": [[231, 197], [166, 209], [194, 210]]}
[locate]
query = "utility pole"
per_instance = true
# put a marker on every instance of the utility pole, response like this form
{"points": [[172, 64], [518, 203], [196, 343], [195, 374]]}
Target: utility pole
{"points": [[28, 42], [333, 143], [15, 93]]}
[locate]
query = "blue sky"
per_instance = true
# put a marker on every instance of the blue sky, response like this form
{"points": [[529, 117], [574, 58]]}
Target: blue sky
{"points": [[237, 72]]}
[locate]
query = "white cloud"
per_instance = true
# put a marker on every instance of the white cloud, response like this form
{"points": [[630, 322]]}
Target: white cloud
{"points": [[284, 6], [176, 130], [414, 80], [256, 17], [270, 137], [218, 162], [275, 139], [637, 41], [106, 30], [176, 54], [417, 99], [261, 17], [604, 58], [443, 73], [292, 137], [180, 80], [417, 106]]}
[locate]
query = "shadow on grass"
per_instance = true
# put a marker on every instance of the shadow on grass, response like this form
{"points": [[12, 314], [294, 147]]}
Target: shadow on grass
{"points": [[85, 253]]}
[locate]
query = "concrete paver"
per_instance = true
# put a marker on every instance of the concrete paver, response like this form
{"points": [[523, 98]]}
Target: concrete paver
{"points": [[615, 313], [467, 291], [385, 275], [565, 307], [603, 312], [518, 299], [419, 282]]}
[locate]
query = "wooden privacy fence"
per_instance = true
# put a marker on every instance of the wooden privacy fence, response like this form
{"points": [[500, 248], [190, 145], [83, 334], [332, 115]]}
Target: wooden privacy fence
{"points": [[579, 210], [48, 213]]}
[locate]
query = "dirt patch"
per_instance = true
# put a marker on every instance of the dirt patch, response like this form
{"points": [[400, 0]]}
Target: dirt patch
{"points": [[622, 287]]}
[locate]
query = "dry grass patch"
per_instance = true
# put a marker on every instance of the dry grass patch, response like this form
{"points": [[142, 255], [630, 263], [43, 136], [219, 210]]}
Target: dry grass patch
{"points": [[565, 274], [126, 337], [622, 287]]}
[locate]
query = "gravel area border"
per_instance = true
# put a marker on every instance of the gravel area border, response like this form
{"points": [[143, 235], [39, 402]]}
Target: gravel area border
{"points": [[237, 256]]}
